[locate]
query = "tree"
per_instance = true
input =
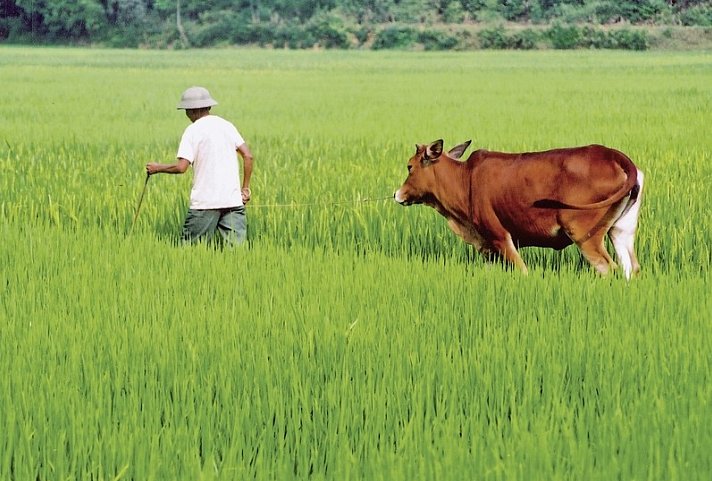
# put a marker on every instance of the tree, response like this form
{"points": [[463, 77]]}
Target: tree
{"points": [[65, 19], [130, 22], [130, 12]]}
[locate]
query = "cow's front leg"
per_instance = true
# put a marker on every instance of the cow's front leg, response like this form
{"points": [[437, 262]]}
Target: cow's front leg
{"points": [[505, 248]]}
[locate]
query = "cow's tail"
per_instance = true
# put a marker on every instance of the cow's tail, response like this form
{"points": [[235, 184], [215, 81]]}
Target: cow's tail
{"points": [[628, 186]]}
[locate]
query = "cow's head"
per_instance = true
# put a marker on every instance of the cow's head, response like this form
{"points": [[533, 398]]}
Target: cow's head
{"points": [[420, 183]]}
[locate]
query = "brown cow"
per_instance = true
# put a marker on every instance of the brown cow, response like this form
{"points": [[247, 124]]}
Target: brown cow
{"points": [[497, 201]]}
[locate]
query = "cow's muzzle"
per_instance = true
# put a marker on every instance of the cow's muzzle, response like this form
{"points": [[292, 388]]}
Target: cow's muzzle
{"points": [[397, 196]]}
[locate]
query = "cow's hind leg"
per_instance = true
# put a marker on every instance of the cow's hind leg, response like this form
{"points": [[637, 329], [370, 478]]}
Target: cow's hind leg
{"points": [[594, 250], [622, 234]]}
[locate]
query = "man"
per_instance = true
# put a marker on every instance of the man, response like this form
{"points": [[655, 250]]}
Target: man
{"points": [[211, 144]]}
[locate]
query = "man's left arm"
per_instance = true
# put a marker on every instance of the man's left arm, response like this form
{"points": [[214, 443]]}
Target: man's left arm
{"points": [[246, 155]]}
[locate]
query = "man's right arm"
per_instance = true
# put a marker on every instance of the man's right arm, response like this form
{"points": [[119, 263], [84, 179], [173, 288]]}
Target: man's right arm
{"points": [[178, 167]]}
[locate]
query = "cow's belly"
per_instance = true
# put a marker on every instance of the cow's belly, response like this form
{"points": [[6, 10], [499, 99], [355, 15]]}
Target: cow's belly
{"points": [[555, 239], [544, 231]]}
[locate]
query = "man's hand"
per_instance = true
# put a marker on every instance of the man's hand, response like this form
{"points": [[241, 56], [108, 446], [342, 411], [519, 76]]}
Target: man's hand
{"points": [[246, 195], [152, 168]]}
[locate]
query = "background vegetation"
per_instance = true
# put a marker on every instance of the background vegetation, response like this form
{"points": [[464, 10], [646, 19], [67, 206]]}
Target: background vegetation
{"points": [[347, 340], [429, 24]]}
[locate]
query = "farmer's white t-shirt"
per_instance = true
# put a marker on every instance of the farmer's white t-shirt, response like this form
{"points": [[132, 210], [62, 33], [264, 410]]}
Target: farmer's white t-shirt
{"points": [[210, 145]]}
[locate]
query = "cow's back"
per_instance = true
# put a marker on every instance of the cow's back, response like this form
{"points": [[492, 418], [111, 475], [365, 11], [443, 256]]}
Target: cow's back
{"points": [[579, 175]]}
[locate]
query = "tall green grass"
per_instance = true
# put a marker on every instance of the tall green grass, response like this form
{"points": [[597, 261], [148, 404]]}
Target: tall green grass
{"points": [[263, 363], [345, 340]]}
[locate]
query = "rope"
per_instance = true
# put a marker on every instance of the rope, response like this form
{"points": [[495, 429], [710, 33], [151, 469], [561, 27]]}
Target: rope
{"points": [[315, 204]]}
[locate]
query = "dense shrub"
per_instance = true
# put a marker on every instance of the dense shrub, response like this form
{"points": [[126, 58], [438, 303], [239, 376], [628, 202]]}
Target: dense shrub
{"points": [[395, 37], [564, 36], [594, 38], [245, 33], [292, 36], [219, 27], [611, 11], [211, 34], [499, 38], [261, 33], [328, 30], [698, 15], [437, 40], [11, 28], [362, 34], [628, 39], [591, 37], [587, 13], [454, 13], [642, 11], [526, 39], [495, 38]]}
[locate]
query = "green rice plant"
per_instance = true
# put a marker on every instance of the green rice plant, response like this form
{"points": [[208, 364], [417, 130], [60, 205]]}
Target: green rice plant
{"points": [[347, 339]]}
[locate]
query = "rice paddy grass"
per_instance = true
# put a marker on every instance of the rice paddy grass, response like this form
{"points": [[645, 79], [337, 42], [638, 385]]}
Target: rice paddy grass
{"points": [[350, 338]]}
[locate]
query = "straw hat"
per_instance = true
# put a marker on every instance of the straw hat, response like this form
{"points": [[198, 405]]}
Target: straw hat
{"points": [[196, 98]]}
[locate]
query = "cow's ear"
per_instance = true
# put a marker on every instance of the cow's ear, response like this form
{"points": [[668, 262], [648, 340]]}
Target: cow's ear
{"points": [[433, 151], [457, 151]]}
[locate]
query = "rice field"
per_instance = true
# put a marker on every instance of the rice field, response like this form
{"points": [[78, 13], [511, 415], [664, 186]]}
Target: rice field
{"points": [[351, 338]]}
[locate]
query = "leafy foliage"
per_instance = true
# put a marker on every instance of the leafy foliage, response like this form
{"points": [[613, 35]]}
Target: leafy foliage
{"points": [[564, 36], [395, 37], [571, 36], [333, 23], [698, 15], [499, 37]]}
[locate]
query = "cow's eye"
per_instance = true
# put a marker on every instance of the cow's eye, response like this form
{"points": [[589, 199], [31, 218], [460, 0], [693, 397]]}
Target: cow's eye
{"points": [[410, 168]]}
